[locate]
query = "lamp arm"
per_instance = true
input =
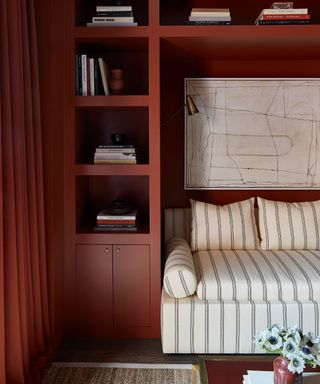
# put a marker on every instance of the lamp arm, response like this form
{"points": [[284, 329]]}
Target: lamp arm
{"points": [[173, 116]]}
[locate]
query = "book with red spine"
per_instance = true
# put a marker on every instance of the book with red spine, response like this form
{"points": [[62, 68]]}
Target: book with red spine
{"points": [[282, 16]]}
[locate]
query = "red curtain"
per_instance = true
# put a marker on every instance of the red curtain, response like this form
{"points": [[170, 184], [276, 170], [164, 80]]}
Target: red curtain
{"points": [[24, 316]]}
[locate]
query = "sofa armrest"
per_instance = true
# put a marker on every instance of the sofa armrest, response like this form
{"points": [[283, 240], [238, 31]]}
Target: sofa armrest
{"points": [[179, 274]]}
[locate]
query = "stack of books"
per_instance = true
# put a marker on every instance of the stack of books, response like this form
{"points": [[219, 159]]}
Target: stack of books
{"points": [[115, 154], [283, 13], [113, 16], [91, 76], [107, 221], [210, 16]]}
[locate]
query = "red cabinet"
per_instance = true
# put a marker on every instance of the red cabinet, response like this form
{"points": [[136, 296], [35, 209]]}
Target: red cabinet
{"points": [[112, 289]]}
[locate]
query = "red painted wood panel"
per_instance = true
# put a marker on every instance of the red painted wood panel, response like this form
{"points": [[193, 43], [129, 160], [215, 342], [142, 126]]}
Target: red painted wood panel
{"points": [[131, 285], [94, 288]]}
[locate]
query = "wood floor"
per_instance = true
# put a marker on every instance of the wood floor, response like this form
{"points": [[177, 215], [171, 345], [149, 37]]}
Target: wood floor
{"points": [[121, 351]]}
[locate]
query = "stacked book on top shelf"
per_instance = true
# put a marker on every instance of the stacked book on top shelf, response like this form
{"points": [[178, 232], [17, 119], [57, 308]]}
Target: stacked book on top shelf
{"points": [[115, 154], [107, 221], [210, 16], [92, 75], [283, 14], [113, 16]]}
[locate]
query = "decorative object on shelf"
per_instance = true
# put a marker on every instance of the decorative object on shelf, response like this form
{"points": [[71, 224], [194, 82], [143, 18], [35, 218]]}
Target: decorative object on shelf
{"points": [[117, 138], [116, 81], [296, 351], [118, 207], [282, 5], [253, 133]]}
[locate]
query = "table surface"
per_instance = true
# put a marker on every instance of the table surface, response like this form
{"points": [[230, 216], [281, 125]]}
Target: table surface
{"points": [[222, 369]]}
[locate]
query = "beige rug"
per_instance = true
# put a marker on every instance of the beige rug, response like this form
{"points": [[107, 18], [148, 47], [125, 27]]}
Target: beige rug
{"points": [[100, 373]]}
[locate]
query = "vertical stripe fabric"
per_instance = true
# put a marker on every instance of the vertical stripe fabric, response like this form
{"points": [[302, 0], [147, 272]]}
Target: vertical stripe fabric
{"points": [[230, 226], [289, 225], [191, 325], [179, 274]]}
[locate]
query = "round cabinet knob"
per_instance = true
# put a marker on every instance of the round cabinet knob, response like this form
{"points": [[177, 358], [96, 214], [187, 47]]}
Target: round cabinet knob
{"points": [[117, 250], [107, 250]]}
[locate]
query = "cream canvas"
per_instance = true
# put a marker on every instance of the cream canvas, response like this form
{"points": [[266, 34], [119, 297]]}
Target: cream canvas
{"points": [[253, 133]]}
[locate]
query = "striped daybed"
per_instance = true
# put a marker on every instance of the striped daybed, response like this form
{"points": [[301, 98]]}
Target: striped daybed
{"points": [[217, 300]]}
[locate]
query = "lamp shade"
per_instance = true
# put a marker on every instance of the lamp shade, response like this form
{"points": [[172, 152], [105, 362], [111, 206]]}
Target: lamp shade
{"points": [[191, 106]]}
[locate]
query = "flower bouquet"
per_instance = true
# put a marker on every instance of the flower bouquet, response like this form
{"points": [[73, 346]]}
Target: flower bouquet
{"points": [[296, 348]]}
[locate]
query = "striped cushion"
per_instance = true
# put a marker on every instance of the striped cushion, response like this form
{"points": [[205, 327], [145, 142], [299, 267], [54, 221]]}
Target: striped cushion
{"points": [[258, 275], [289, 225], [179, 274], [230, 226]]}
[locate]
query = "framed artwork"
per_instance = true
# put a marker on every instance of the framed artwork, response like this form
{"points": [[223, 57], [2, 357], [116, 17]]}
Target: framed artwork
{"points": [[253, 133]]}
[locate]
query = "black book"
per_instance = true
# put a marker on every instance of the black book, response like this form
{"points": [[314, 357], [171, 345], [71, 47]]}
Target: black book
{"points": [[115, 14], [78, 78]]}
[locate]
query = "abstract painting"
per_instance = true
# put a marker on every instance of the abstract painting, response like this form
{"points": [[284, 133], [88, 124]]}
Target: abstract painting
{"points": [[253, 133]]}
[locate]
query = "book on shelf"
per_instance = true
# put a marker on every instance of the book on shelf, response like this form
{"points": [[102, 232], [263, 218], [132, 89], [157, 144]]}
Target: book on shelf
{"points": [[104, 71], [112, 24], [84, 78], [109, 18], [126, 161], [289, 11], [283, 16], [87, 76], [305, 16], [110, 8], [101, 228], [209, 16], [115, 222], [209, 22], [210, 12], [115, 14], [113, 146], [283, 22], [115, 154], [105, 214]]}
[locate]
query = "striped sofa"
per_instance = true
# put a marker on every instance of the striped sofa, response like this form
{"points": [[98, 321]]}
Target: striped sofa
{"points": [[235, 294]]}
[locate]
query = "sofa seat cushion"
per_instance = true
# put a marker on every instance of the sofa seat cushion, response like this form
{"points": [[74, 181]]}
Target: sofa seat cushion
{"points": [[258, 275]]}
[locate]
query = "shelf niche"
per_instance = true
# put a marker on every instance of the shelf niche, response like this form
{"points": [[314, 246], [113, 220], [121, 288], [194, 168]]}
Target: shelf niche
{"points": [[93, 193], [131, 55], [85, 10], [173, 13], [95, 125]]}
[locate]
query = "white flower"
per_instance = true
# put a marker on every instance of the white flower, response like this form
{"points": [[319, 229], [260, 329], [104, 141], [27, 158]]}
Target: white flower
{"points": [[290, 348], [296, 364], [273, 340], [293, 333], [306, 353], [261, 338]]}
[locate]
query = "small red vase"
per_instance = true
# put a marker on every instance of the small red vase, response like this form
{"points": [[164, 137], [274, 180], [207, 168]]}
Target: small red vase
{"points": [[281, 373], [116, 81]]}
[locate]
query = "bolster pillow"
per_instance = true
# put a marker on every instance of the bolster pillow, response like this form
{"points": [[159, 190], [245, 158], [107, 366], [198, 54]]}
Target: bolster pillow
{"points": [[179, 274]]}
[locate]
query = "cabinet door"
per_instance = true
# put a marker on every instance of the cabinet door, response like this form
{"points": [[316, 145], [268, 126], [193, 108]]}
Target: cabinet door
{"points": [[94, 293], [131, 285]]}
